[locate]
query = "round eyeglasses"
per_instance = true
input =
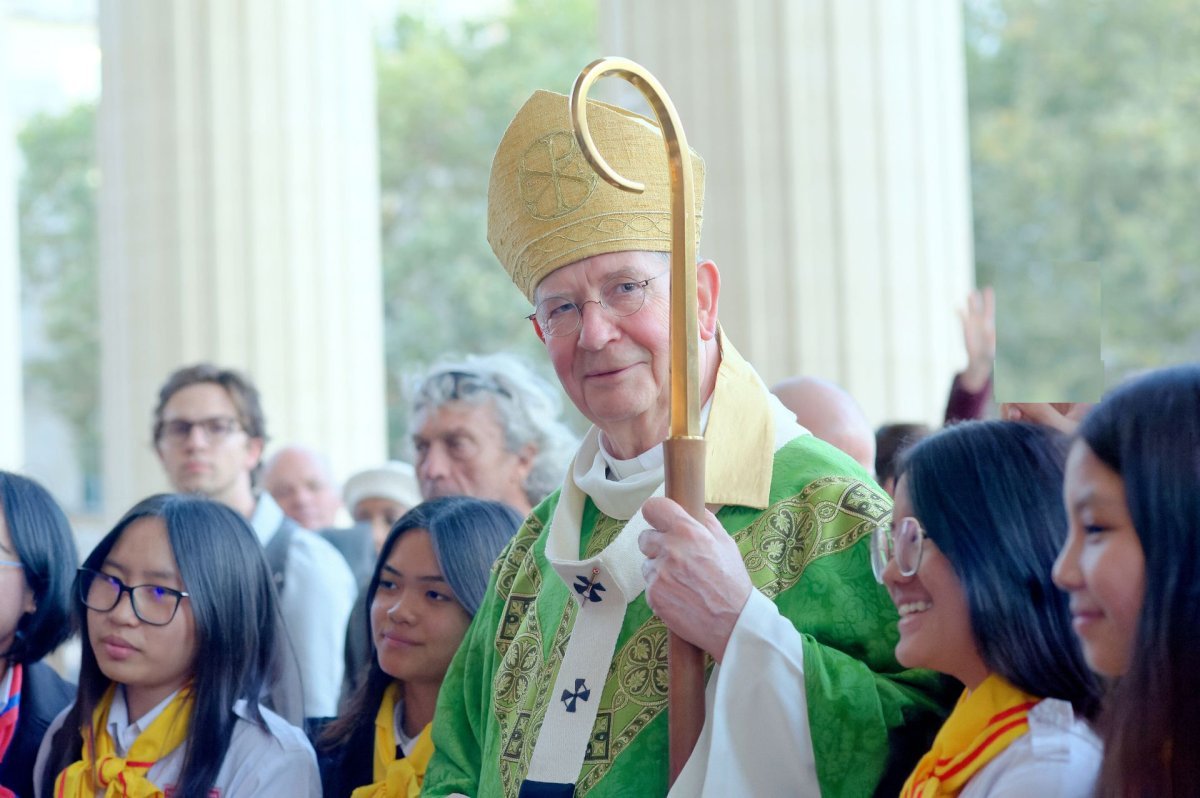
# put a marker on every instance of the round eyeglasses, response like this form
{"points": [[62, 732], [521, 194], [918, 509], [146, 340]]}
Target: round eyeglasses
{"points": [[904, 545], [558, 316], [152, 604]]}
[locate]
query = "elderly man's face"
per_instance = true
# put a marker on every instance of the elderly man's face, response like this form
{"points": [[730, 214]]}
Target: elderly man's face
{"points": [[461, 451], [615, 369], [303, 489]]}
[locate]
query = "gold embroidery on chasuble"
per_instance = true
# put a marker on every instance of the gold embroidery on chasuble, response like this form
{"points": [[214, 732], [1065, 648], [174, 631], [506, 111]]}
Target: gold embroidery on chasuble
{"points": [[520, 710], [604, 531], [517, 557], [829, 516], [635, 692], [635, 686]]}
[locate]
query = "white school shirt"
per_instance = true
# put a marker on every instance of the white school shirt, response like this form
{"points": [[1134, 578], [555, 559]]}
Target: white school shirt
{"points": [[1058, 756], [276, 765], [318, 594]]}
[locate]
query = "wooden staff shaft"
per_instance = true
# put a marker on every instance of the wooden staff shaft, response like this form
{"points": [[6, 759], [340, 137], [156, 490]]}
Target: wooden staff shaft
{"points": [[685, 662]]}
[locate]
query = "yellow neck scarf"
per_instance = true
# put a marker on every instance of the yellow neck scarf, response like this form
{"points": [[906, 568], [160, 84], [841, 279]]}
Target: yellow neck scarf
{"points": [[396, 778], [981, 726], [101, 769]]}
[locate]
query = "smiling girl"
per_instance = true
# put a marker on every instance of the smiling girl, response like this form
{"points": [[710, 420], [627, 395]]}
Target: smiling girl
{"points": [[180, 617], [1131, 564], [976, 525], [429, 580]]}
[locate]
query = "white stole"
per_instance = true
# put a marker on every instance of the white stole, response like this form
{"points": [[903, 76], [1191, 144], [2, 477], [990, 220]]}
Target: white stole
{"points": [[603, 586]]}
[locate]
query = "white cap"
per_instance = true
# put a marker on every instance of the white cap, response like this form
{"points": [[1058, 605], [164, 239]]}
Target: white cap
{"points": [[394, 480]]}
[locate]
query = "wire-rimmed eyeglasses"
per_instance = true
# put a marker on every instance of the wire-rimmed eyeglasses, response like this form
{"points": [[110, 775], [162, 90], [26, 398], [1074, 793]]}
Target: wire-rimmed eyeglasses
{"points": [[152, 604], [559, 316], [904, 545]]}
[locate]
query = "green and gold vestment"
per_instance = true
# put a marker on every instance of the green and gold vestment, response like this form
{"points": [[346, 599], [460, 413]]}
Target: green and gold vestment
{"points": [[805, 547]]}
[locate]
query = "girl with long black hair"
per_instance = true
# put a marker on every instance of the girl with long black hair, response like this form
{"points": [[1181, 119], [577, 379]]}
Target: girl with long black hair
{"points": [[1131, 564], [976, 525], [429, 580], [180, 617]]}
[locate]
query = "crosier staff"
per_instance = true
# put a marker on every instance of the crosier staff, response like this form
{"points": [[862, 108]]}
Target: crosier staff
{"points": [[683, 451]]}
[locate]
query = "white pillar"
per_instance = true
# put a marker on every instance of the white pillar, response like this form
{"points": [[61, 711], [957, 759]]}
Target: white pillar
{"points": [[12, 447], [837, 200], [240, 220]]}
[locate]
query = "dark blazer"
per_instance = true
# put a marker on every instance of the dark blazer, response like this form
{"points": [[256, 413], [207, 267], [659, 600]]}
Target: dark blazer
{"points": [[346, 768], [356, 546], [43, 695]]}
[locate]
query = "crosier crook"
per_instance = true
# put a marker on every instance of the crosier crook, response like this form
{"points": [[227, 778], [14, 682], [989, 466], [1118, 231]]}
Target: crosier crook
{"points": [[684, 449]]}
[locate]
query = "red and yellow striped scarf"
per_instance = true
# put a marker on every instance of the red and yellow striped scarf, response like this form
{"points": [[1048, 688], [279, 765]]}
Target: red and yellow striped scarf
{"points": [[10, 708], [982, 725]]}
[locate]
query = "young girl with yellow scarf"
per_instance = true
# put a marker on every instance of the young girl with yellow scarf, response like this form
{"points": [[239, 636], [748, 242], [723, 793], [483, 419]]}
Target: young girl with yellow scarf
{"points": [[179, 614], [428, 582], [977, 522]]}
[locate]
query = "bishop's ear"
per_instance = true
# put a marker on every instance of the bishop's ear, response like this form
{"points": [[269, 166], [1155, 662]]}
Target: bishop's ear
{"points": [[708, 288]]}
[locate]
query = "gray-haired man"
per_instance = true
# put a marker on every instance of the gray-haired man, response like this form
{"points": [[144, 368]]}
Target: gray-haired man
{"points": [[486, 426]]}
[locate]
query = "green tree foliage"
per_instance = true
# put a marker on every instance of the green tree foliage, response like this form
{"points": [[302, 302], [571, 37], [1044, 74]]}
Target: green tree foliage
{"points": [[1085, 139], [446, 95], [59, 263]]}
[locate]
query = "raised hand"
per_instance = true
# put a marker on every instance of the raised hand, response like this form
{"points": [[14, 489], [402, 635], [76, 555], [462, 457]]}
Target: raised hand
{"points": [[979, 337], [1062, 416]]}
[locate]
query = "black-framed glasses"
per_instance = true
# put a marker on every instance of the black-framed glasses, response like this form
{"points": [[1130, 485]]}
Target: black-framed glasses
{"points": [[152, 604], [558, 316], [904, 545], [215, 428]]}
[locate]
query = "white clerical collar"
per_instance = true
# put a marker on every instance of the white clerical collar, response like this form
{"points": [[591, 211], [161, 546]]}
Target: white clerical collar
{"points": [[620, 470], [649, 460]]}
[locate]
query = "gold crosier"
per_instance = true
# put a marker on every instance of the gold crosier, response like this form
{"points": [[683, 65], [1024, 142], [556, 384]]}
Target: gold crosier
{"points": [[683, 451]]}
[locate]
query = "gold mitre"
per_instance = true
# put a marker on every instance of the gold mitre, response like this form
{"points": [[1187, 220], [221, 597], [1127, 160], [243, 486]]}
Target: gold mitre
{"points": [[548, 208]]}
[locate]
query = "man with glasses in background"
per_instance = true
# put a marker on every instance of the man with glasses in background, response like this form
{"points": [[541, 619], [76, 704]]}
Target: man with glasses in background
{"points": [[209, 433], [488, 427]]}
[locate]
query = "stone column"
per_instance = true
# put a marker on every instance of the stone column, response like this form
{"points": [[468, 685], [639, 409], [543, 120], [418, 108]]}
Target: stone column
{"points": [[239, 220], [837, 202], [12, 449]]}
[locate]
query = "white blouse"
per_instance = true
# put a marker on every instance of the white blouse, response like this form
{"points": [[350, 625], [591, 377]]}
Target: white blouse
{"points": [[1059, 756], [280, 764]]}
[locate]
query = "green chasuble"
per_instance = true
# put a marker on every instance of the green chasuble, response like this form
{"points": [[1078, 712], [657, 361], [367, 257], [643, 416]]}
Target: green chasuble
{"points": [[807, 551]]}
